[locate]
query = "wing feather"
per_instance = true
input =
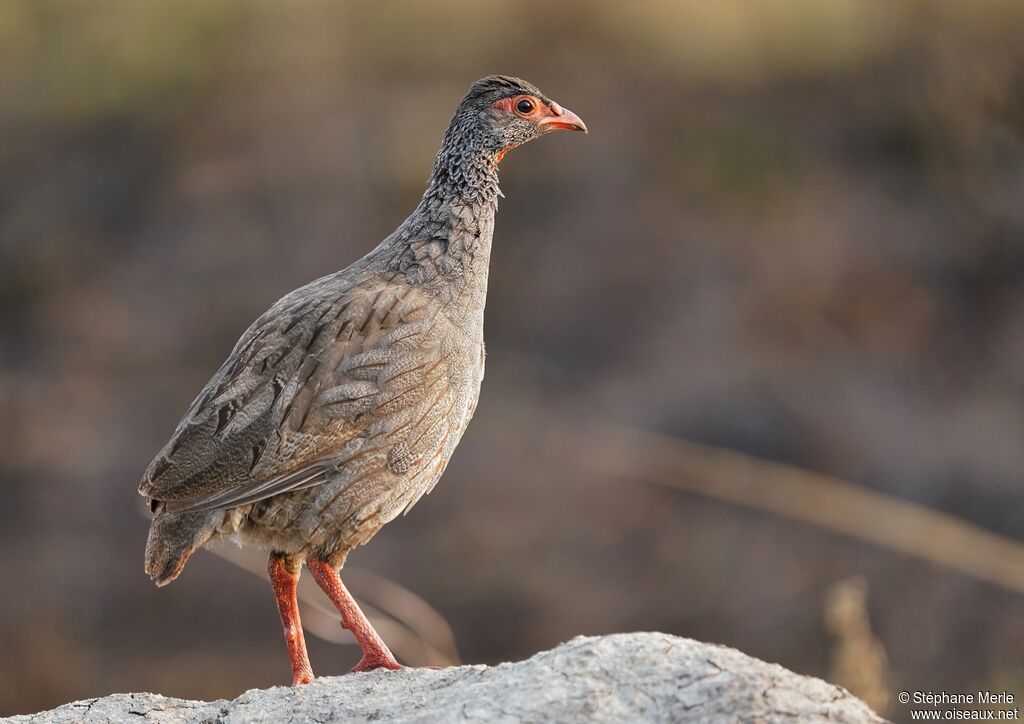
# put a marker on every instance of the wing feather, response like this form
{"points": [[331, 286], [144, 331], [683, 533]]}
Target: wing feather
{"points": [[295, 396]]}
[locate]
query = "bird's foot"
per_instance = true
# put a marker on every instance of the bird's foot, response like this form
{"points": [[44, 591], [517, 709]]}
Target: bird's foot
{"points": [[302, 678], [376, 661]]}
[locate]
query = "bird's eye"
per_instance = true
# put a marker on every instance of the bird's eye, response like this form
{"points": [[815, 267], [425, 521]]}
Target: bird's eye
{"points": [[525, 106]]}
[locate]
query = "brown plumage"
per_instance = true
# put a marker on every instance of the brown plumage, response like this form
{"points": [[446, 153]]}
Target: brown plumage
{"points": [[340, 407]]}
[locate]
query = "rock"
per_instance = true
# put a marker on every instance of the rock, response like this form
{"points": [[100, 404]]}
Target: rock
{"points": [[640, 677]]}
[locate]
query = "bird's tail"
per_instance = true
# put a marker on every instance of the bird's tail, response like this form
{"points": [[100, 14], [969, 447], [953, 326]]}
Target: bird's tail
{"points": [[173, 537]]}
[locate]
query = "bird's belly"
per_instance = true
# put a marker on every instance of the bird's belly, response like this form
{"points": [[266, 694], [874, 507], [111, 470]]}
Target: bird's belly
{"points": [[428, 450], [401, 459]]}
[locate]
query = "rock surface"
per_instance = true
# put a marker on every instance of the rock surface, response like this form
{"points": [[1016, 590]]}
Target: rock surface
{"points": [[642, 677]]}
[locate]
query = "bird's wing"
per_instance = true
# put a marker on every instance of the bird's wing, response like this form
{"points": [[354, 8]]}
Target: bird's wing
{"points": [[305, 380]]}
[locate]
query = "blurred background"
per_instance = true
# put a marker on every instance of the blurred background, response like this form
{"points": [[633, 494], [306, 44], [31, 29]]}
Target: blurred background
{"points": [[793, 243]]}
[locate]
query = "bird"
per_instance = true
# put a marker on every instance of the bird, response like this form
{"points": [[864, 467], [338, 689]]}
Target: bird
{"points": [[340, 407]]}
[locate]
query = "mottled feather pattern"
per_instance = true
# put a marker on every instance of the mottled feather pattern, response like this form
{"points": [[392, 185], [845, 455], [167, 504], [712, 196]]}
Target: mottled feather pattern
{"points": [[323, 387], [341, 405]]}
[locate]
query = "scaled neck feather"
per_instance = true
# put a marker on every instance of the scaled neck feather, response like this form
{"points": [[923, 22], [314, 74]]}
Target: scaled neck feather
{"points": [[445, 243]]}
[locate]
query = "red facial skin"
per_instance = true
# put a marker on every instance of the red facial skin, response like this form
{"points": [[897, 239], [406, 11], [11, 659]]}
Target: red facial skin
{"points": [[547, 116]]}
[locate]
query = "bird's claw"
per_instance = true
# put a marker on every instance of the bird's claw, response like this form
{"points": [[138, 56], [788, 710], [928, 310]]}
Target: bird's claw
{"points": [[369, 663]]}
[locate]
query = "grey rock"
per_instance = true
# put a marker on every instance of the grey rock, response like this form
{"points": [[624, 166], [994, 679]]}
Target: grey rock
{"points": [[640, 677]]}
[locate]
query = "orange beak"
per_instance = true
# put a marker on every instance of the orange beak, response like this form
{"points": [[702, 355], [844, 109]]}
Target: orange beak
{"points": [[561, 119]]}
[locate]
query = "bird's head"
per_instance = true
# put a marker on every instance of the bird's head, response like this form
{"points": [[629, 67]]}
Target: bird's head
{"points": [[501, 112], [497, 114]]}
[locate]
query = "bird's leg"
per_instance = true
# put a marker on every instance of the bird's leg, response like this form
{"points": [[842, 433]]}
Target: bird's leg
{"points": [[285, 579], [376, 654]]}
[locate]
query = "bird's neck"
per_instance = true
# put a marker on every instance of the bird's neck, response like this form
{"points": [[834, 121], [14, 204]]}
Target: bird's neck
{"points": [[445, 244], [464, 172], [466, 166]]}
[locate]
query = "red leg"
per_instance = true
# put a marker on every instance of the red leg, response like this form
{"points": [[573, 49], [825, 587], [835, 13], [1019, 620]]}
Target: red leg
{"points": [[376, 654], [285, 584]]}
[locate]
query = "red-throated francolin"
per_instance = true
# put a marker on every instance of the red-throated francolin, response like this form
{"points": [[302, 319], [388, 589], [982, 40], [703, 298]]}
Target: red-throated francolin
{"points": [[340, 407]]}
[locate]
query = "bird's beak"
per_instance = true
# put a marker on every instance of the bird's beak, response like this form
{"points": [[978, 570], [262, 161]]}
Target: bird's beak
{"points": [[561, 119]]}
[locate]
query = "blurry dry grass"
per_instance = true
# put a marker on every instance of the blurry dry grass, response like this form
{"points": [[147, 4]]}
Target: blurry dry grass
{"points": [[858, 661], [805, 496]]}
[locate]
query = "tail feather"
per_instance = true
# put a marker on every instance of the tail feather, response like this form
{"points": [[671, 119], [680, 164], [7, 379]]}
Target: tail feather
{"points": [[173, 537]]}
